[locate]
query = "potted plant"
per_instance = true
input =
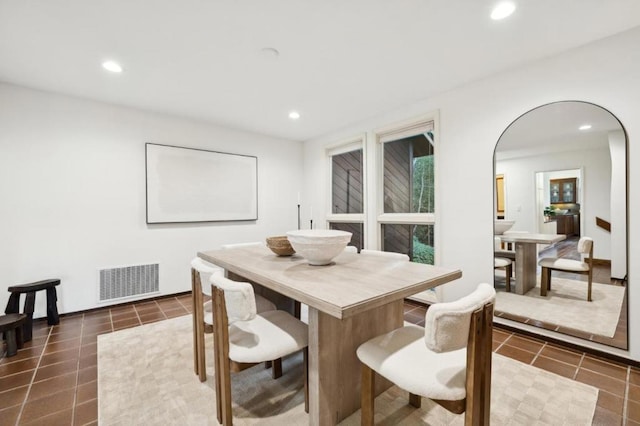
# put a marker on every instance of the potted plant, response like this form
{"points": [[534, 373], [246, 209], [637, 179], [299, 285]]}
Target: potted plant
{"points": [[548, 212]]}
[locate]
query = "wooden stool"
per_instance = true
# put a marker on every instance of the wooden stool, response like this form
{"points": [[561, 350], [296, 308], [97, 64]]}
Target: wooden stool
{"points": [[11, 325], [13, 306]]}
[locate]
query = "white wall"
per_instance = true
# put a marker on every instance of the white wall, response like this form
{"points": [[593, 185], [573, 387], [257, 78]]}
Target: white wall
{"points": [[472, 119], [72, 193]]}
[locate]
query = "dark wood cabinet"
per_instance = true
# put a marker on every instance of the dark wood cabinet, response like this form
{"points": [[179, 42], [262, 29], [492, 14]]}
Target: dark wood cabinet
{"points": [[568, 224], [562, 190]]}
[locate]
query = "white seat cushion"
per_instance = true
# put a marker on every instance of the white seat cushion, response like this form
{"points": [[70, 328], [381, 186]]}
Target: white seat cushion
{"points": [[402, 357], [270, 335], [501, 262], [564, 264]]}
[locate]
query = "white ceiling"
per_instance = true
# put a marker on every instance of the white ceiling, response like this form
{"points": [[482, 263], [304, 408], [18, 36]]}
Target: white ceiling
{"points": [[555, 128], [340, 61]]}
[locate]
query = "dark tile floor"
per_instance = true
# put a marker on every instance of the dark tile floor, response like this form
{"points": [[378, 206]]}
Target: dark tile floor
{"points": [[53, 379]]}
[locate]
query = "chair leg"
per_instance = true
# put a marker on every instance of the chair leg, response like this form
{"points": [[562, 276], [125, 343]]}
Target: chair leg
{"points": [[12, 346], [544, 281], [276, 370], [367, 396], [29, 303], [13, 305], [194, 317], [52, 307], [589, 285], [415, 400], [508, 277], [223, 374], [19, 337], [202, 359], [217, 375], [305, 360]]}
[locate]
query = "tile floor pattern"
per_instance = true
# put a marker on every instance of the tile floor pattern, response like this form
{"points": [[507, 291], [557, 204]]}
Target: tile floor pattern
{"points": [[53, 379]]}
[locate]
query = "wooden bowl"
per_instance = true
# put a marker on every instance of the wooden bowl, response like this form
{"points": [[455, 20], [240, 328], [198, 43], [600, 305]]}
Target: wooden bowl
{"points": [[280, 245]]}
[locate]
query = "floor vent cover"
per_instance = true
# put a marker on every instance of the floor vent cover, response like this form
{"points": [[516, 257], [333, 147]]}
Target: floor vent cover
{"points": [[128, 281]]}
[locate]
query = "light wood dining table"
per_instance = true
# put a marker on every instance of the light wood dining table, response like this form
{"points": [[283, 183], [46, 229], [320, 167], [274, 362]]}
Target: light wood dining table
{"points": [[527, 256], [351, 300]]}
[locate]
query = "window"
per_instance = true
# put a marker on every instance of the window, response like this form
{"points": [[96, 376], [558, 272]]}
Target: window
{"points": [[408, 175], [346, 182], [347, 194], [407, 191], [356, 229], [414, 240]]}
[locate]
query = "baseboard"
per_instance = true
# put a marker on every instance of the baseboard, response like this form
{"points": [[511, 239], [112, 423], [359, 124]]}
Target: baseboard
{"points": [[130, 302], [602, 262]]}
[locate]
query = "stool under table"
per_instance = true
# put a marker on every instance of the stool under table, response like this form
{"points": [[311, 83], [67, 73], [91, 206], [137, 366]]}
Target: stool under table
{"points": [[12, 327], [13, 306]]}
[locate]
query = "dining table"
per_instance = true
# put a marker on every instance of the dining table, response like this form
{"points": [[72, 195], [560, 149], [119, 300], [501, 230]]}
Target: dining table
{"points": [[527, 256], [353, 299]]}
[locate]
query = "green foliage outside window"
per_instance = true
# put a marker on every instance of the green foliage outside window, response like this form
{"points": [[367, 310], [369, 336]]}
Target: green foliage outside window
{"points": [[423, 201], [422, 253]]}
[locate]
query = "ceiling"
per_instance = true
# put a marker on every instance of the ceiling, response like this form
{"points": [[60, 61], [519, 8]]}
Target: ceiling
{"points": [[340, 61]]}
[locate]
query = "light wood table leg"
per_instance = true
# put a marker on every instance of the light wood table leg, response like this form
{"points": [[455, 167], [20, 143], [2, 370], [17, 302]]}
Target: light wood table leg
{"points": [[526, 263], [334, 368]]}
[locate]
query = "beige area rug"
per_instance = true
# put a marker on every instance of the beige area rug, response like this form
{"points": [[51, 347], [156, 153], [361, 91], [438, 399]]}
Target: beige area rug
{"points": [[566, 305], [145, 376]]}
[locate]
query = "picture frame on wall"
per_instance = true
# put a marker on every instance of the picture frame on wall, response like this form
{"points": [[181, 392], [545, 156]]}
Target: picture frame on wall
{"points": [[185, 185]]}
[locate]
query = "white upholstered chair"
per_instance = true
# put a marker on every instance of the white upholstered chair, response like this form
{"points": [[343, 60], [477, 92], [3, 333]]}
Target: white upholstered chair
{"points": [[507, 265], [583, 266], [351, 249], [385, 254], [447, 361], [296, 304], [244, 338], [236, 245], [201, 272]]}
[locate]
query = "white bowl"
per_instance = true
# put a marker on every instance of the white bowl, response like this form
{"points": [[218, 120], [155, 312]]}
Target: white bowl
{"points": [[501, 226], [319, 246]]}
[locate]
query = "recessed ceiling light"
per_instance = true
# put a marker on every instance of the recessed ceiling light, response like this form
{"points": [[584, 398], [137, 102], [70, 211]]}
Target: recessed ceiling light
{"points": [[502, 10], [294, 115], [112, 66], [585, 127], [270, 52]]}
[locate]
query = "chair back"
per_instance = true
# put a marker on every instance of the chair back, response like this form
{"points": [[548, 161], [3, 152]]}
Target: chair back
{"points": [[386, 254], [230, 246], [467, 322], [204, 270], [239, 298], [350, 249], [585, 248], [447, 324]]}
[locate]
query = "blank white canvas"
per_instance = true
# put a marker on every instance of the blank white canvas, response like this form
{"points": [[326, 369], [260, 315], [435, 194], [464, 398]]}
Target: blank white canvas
{"points": [[194, 185]]}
